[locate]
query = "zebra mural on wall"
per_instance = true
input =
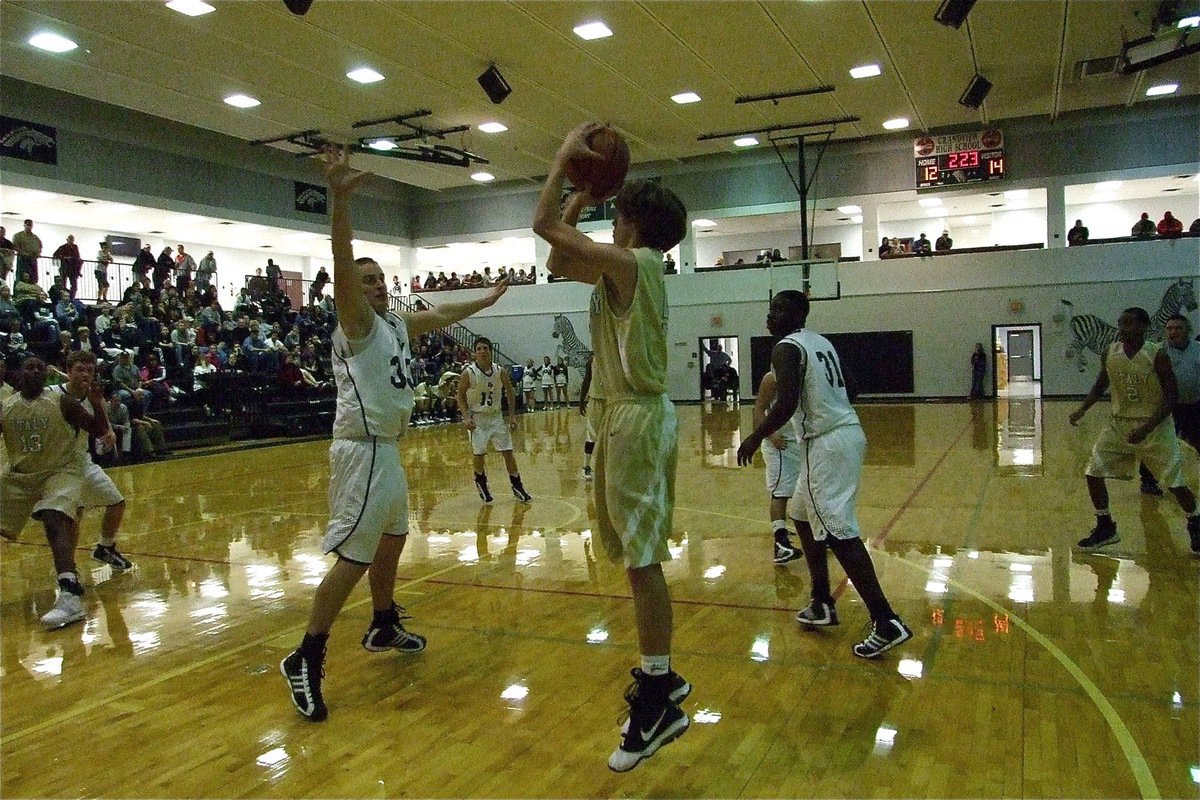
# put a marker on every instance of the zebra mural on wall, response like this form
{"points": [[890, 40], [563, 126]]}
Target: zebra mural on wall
{"points": [[1090, 332], [569, 346]]}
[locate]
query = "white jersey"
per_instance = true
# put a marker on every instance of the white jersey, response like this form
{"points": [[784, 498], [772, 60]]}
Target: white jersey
{"points": [[375, 387], [824, 404], [485, 394]]}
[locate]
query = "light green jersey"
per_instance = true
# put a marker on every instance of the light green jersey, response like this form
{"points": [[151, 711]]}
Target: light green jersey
{"points": [[631, 346], [36, 435], [1136, 391]]}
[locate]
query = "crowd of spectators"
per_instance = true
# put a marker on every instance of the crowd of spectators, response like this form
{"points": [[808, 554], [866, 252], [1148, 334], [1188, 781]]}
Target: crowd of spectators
{"points": [[476, 279]]}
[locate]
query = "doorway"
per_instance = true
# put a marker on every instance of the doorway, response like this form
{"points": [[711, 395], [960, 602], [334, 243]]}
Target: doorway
{"points": [[718, 368], [1017, 360]]}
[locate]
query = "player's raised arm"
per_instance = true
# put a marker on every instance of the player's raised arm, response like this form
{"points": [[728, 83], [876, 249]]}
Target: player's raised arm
{"points": [[355, 314], [419, 322]]}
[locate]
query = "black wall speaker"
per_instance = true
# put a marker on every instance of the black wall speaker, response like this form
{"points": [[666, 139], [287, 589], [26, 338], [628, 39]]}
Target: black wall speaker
{"points": [[976, 92], [953, 12], [494, 84]]}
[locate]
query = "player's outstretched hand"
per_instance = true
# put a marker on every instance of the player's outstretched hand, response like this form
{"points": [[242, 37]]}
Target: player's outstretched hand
{"points": [[576, 144], [496, 293], [341, 177], [749, 447]]}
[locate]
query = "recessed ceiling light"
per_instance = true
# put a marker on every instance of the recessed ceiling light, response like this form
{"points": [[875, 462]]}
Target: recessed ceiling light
{"points": [[850, 209], [383, 144], [1162, 88], [683, 98], [493, 127], [190, 8], [703, 223], [1017, 194], [483, 177], [929, 202], [896, 124], [1189, 22], [745, 141], [364, 75], [241, 101], [866, 71], [1105, 186], [592, 30], [52, 43]]}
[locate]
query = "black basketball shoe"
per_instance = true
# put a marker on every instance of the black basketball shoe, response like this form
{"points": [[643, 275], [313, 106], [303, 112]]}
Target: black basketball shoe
{"points": [[1105, 533], [654, 721], [304, 680], [481, 485]]}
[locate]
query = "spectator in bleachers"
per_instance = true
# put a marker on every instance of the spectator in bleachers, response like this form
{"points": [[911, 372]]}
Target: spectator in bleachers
{"points": [[441, 280], [454, 282], [8, 254], [128, 384], [292, 340], [397, 290], [1077, 235], [185, 265], [1169, 226], [430, 282], [28, 297], [206, 270], [1144, 228], [148, 433], [317, 287], [291, 378], [183, 339], [943, 243], [86, 339], [414, 285], [274, 340], [777, 256], [210, 318], [142, 264], [153, 378], [1195, 226], [259, 357], [274, 275], [70, 264], [309, 360], [28, 249], [163, 268], [8, 311], [885, 248], [922, 246], [243, 303], [104, 260], [201, 369], [118, 420]]}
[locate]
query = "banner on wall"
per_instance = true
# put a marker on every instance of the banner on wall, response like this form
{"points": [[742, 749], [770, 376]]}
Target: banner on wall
{"points": [[311, 198], [28, 141]]}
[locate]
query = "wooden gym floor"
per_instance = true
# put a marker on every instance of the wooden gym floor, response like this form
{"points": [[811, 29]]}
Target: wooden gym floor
{"points": [[1036, 671]]}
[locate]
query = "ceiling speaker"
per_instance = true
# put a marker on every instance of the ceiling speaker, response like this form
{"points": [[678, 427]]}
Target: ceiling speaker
{"points": [[494, 84], [953, 13], [298, 7], [976, 92]]}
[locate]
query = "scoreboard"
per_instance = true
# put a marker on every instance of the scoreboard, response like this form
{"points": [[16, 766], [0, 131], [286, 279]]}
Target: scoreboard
{"points": [[959, 158]]}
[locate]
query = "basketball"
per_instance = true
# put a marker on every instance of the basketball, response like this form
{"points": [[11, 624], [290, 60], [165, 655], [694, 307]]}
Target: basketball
{"points": [[601, 177]]}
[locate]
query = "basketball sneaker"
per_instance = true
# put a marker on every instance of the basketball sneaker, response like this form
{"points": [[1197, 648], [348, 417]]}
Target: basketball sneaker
{"points": [[481, 485], [1105, 533], [818, 615], [883, 637], [67, 608], [304, 680], [654, 721], [1193, 529], [519, 490], [678, 691], [586, 473], [386, 633], [785, 551], [107, 554]]}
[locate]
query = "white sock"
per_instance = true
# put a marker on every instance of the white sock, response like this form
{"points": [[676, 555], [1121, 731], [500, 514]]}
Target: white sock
{"points": [[656, 665], [108, 541], [779, 524]]}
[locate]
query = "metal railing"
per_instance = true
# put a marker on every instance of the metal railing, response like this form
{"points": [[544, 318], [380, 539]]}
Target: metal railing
{"points": [[459, 333]]}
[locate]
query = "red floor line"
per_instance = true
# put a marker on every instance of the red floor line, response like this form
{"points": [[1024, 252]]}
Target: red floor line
{"points": [[887, 528]]}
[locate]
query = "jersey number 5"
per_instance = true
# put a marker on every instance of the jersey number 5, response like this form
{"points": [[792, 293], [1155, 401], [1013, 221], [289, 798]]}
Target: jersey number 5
{"points": [[832, 369]]}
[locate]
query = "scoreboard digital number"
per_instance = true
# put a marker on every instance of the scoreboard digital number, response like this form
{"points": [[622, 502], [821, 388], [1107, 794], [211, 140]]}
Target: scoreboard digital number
{"points": [[959, 158]]}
